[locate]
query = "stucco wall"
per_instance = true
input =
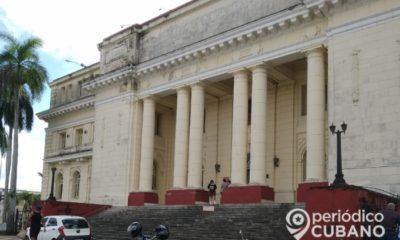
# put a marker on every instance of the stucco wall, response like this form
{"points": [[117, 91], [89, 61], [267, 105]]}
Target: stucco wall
{"points": [[111, 151], [365, 91]]}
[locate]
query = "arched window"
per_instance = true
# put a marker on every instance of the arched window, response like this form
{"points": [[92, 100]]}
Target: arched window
{"points": [[76, 180], [59, 186]]}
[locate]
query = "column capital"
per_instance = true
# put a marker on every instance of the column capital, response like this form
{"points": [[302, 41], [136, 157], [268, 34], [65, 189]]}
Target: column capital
{"points": [[240, 71], [261, 65], [181, 88], [149, 99], [143, 97], [197, 85], [314, 49]]}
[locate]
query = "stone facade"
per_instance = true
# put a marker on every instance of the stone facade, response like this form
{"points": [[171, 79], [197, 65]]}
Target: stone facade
{"points": [[238, 89]]}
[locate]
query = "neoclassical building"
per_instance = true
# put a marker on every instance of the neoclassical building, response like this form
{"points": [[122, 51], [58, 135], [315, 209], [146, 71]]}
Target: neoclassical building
{"points": [[244, 89]]}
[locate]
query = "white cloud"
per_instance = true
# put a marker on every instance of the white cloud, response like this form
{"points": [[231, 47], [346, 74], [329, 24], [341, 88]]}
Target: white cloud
{"points": [[31, 152], [70, 30]]}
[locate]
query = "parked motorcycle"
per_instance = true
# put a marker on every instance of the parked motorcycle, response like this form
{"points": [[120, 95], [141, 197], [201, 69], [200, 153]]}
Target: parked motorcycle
{"points": [[135, 230]]}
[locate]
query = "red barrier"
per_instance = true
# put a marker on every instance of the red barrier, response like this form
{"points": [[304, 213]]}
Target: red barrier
{"points": [[186, 197], [320, 198], [71, 208]]}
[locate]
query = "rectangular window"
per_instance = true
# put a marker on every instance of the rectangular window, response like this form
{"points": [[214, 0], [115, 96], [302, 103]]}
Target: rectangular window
{"points": [[79, 88], [52, 222], [79, 137], [63, 139], [63, 94], [75, 223], [69, 96], [303, 107]]}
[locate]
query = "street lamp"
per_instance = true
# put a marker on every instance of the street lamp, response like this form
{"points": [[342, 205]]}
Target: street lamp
{"points": [[80, 64], [339, 180]]}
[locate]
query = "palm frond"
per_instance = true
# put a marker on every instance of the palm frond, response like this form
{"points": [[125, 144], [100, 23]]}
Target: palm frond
{"points": [[8, 38]]}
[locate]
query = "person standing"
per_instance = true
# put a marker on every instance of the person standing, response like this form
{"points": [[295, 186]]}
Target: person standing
{"points": [[36, 222], [224, 185], [212, 187], [391, 220]]}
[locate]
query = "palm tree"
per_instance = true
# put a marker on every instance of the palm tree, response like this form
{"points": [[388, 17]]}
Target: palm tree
{"points": [[21, 71], [25, 123], [6, 116], [3, 138], [3, 132]]}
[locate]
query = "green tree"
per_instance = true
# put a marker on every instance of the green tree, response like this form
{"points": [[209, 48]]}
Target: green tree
{"points": [[28, 199], [3, 138], [25, 123], [21, 71], [3, 133]]}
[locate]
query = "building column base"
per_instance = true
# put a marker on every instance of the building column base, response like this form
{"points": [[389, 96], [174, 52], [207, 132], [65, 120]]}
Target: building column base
{"points": [[142, 198], [186, 197], [247, 194]]}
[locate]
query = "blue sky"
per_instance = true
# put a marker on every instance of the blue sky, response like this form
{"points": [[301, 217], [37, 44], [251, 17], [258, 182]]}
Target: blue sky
{"points": [[70, 30]]}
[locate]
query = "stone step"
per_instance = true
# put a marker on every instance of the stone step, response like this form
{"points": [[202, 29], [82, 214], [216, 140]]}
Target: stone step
{"points": [[258, 221]]}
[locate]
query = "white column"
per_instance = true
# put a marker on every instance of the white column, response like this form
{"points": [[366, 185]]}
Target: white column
{"points": [[196, 137], [258, 144], [239, 127], [137, 134], [181, 138], [147, 147], [315, 164]]}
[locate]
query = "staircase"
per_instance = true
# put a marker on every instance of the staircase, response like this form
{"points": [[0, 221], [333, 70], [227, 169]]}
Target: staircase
{"points": [[258, 221]]}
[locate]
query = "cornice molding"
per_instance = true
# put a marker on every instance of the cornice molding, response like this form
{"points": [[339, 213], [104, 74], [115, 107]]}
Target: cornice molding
{"points": [[364, 23], [69, 157], [266, 26], [228, 69], [250, 31], [71, 107], [70, 125], [110, 78]]}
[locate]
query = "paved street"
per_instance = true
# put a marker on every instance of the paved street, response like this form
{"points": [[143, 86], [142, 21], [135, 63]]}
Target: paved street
{"points": [[2, 237]]}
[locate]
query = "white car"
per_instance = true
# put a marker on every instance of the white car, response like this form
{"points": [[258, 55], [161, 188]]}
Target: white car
{"points": [[63, 227]]}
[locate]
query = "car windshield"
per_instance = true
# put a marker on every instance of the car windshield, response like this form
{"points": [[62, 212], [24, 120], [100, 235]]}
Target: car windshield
{"points": [[72, 223]]}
